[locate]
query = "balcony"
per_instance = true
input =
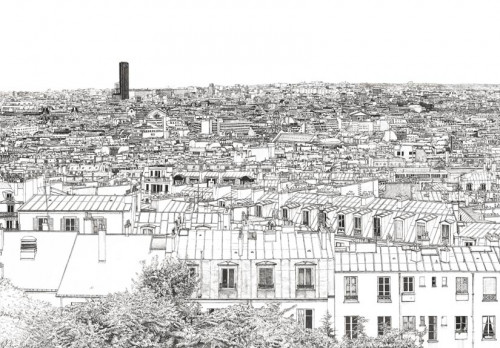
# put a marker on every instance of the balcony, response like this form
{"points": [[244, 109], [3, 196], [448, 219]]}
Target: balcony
{"points": [[384, 298], [266, 287], [4, 215], [489, 297], [305, 287], [351, 298]]}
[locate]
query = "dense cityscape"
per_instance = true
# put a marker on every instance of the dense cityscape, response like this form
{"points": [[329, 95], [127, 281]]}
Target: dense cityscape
{"points": [[379, 201]]}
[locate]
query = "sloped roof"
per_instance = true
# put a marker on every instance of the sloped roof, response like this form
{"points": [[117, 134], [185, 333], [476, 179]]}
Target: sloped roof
{"points": [[85, 276], [45, 271], [76, 203]]}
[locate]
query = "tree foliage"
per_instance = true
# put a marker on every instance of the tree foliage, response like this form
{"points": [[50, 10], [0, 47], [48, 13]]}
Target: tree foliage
{"points": [[161, 312]]}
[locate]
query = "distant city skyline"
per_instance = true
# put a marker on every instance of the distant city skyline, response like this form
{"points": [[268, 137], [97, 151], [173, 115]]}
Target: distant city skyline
{"points": [[55, 44]]}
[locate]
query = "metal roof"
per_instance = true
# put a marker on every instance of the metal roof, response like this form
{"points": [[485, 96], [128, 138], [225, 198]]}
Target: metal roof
{"points": [[395, 259], [76, 203]]}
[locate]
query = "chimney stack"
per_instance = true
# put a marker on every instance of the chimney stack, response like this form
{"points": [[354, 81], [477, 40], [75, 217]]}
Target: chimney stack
{"points": [[102, 245]]}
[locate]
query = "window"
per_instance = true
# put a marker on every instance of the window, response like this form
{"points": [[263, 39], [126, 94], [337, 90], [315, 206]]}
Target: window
{"points": [[462, 285], [305, 318], [357, 225], [408, 284], [192, 272], [434, 282], [384, 289], [461, 324], [8, 195], [444, 321], [469, 244], [398, 229], [433, 328], [383, 324], [468, 186], [489, 327], [341, 223], [39, 222], [421, 234], [482, 187], [28, 247], [69, 224], [409, 323], [445, 234], [351, 288], [266, 279], [444, 282], [258, 211], [305, 217], [227, 279], [222, 204], [322, 218], [10, 225], [489, 289], [305, 278], [351, 327], [421, 281], [156, 188], [285, 214], [10, 208], [376, 227]]}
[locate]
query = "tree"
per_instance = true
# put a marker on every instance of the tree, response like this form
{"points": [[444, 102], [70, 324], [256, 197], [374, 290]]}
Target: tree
{"points": [[15, 310]]}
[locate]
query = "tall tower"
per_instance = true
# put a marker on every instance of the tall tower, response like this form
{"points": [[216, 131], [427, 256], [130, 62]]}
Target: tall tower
{"points": [[123, 80]]}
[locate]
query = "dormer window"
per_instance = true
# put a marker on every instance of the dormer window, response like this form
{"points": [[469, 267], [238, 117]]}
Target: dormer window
{"points": [[258, 211], [285, 214], [398, 229], [421, 233], [341, 223], [28, 248], [468, 186], [8, 195], [377, 227], [322, 218], [222, 204], [445, 233], [357, 225], [305, 217]]}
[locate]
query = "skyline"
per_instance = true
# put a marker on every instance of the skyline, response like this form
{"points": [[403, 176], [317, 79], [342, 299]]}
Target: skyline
{"points": [[60, 45]]}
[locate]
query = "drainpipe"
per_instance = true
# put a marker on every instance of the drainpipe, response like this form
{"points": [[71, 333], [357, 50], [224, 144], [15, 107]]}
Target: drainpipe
{"points": [[399, 300], [473, 331]]}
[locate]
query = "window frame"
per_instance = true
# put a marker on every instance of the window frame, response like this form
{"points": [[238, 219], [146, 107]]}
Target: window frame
{"points": [[461, 324], [226, 285], [433, 324], [306, 215], [381, 321], [305, 317], [351, 288], [377, 226], [384, 293], [490, 296], [358, 224], [409, 284], [490, 330], [301, 284], [407, 322], [351, 326], [264, 285], [459, 291]]}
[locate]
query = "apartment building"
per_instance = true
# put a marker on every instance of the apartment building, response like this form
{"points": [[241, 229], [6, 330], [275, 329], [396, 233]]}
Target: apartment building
{"points": [[448, 293]]}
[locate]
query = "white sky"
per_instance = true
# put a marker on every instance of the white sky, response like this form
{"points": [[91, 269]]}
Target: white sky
{"points": [[78, 44]]}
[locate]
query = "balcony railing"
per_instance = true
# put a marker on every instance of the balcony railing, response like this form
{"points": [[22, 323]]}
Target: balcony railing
{"points": [[8, 214], [305, 287], [266, 286], [223, 286], [384, 298], [489, 297], [351, 297]]}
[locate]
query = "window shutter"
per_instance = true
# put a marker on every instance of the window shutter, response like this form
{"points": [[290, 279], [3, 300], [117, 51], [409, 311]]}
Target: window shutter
{"points": [[77, 224], [301, 317], [35, 224], [63, 225], [51, 224]]}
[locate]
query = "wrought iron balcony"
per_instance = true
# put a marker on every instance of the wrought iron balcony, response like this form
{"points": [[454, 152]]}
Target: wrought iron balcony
{"points": [[489, 297]]}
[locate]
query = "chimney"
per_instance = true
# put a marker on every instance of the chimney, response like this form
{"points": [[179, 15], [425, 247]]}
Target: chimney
{"points": [[1, 238], [444, 254], [102, 245], [416, 255]]}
